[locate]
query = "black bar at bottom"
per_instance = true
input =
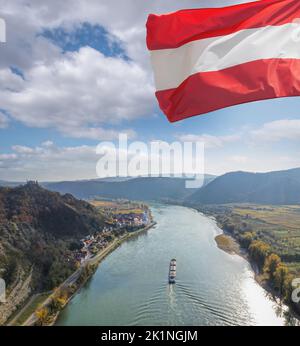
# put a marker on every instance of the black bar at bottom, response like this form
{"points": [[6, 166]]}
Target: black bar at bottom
{"points": [[144, 335]]}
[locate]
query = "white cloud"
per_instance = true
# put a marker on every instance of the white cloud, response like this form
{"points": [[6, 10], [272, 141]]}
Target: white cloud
{"points": [[87, 95], [263, 161], [4, 157], [24, 47], [125, 19], [78, 93], [76, 90], [47, 144], [209, 140], [97, 133], [21, 149], [277, 130], [47, 161]]}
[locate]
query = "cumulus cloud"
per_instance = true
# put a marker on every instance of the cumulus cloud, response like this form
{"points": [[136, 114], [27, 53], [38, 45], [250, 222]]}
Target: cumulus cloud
{"points": [[6, 157], [24, 47], [82, 94], [78, 89], [277, 130], [274, 131], [77, 93], [125, 19], [47, 161]]}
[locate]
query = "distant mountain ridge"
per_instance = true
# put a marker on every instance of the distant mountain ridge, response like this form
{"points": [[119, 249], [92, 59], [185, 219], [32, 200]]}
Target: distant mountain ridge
{"points": [[144, 188], [10, 183], [279, 187]]}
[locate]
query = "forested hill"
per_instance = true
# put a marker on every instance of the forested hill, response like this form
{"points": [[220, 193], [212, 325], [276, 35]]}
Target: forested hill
{"points": [[281, 187], [47, 211], [38, 231]]}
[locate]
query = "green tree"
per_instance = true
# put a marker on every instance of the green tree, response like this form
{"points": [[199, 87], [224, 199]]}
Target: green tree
{"points": [[288, 288], [10, 271], [281, 276], [246, 239]]}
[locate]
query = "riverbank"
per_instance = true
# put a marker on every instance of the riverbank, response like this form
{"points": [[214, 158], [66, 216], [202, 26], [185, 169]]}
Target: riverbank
{"points": [[232, 245], [228, 244], [68, 290], [229, 241]]}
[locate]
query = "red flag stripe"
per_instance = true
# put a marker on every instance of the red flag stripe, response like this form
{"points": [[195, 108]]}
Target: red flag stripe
{"points": [[176, 29], [208, 91]]}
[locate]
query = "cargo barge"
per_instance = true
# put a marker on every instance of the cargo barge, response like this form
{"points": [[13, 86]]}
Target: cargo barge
{"points": [[172, 271]]}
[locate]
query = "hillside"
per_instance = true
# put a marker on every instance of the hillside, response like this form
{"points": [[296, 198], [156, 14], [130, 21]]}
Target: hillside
{"points": [[281, 187], [144, 188], [38, 229]]}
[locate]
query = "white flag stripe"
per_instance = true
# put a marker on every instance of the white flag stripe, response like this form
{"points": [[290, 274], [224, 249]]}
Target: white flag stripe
{"points": [[173, 66]]}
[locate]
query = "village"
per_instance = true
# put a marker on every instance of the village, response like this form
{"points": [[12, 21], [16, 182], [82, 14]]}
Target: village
{"points": [[121, 216]]}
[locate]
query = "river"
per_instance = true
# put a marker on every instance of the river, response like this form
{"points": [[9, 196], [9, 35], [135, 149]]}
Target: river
{"points": [[130, 286]]}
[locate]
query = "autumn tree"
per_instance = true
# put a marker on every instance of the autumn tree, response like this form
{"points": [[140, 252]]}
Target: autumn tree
{"points": [[42, 316], [58, 302], [271, 264], [259, 251]]}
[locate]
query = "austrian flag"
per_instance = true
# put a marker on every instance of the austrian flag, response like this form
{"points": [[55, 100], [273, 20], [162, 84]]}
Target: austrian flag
{"points": [[208, 59]]}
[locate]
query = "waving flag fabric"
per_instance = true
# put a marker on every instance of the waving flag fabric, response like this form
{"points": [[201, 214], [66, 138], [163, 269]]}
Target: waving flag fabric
{"points": [[207, 59]]}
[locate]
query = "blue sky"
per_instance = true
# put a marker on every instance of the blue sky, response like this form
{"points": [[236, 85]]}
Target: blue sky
{"points": [[71, 77]]}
